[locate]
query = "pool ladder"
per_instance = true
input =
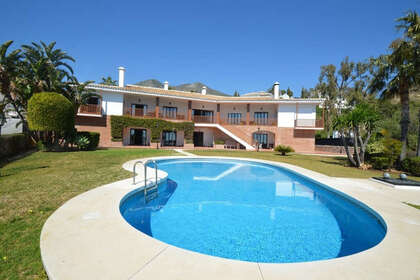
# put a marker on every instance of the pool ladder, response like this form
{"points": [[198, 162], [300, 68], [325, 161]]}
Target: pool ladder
{"points": [[150, 192]]}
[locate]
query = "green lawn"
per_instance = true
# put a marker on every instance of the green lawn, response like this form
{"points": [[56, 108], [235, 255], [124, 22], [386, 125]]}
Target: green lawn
{"points": [[331, 166], [33, 187]]}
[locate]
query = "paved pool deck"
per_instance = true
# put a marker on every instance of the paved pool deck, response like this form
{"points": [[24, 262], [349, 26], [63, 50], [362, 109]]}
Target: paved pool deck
{"points": [[87, 238]]}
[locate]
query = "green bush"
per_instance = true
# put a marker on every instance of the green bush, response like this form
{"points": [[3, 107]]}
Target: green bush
{"points": [[283, 149], [92, 137], [50, 111], [14, 144], [380, 163], [219, 142], [392, 150], [411, 165], [82, 143], [118, 123]]}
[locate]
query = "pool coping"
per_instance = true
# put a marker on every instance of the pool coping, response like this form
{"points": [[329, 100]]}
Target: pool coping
{"points": [[87, 238]]}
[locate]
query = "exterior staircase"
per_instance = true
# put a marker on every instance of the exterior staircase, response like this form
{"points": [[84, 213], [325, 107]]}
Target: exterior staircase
{"points": [[233, 132]]}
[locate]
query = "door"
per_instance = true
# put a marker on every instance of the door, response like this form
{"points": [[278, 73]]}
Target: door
{"points": [[261, 139], [138, 110], [198, 139], [138, 137], [169, 138]]}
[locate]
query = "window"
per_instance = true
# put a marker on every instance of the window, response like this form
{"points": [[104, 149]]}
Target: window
{"points": [[234, 118], [169, 112], [93, 101], [138, 109], [261, 117], [169, 138], [261, 139]]}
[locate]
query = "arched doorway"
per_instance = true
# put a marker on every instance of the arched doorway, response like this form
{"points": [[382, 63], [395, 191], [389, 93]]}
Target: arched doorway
{"points": [[265, 139]]}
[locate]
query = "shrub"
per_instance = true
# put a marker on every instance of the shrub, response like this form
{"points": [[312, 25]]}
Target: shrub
{"points": [[14, 144], [82, 143], [219, 142], [380, 163], [92, 137], [392, 149], [283, 149], [50, 111], [411, 165]]}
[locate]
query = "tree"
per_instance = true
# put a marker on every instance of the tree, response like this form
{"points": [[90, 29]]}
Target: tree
{"points": [[236, 93], [397, 72], [308, 93], [34, 68], [336, 86], [108, 81], [10, 67], [51, 115], [2, 115], [289, 92], [79, 93], [359, 123]]}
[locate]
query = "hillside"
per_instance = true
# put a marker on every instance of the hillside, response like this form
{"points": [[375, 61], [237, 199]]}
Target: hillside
{"points": [[195, 87]]}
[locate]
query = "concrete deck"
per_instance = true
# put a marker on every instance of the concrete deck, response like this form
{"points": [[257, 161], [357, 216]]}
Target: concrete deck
{"points": [[87, 238]]}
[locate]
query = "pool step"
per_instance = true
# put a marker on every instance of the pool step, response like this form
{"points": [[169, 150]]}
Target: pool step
{"points": [[150, 193]]}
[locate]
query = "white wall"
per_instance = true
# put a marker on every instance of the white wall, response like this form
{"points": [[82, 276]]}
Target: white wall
{"points": [[207, 136], [286, 115], [112, 104], [306, 111]]}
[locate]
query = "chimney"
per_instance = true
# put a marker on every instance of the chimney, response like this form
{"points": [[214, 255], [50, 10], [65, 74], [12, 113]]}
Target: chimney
{"points": [[276, 89], [165, 85], [121, 72], [204, 91]]}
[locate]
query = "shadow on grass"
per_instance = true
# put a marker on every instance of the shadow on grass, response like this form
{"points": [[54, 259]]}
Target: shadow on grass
{"points": [[17, 170]]}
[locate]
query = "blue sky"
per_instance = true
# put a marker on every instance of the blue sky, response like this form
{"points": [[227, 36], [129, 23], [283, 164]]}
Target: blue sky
{"points": [[229, 45]]}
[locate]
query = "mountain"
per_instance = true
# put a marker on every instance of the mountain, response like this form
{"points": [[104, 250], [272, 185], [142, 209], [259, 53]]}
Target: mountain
{"points": [[195, 87], [150, 83]]}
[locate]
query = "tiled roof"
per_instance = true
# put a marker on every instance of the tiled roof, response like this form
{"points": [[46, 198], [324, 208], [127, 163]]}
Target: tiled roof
{"points": [[193, 95]]}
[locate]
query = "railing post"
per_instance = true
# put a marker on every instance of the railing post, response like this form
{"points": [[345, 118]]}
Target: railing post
{"points": [[157, 108], [247, 113]]}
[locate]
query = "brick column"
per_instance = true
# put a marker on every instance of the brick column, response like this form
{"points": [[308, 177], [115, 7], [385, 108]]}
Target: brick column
{"points": [[189, 110], [218, 114], [248, 108], [157, 108]]}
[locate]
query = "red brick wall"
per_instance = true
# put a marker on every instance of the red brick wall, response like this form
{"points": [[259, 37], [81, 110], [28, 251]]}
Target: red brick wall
{"points": [[300, 140], [96, 124]]}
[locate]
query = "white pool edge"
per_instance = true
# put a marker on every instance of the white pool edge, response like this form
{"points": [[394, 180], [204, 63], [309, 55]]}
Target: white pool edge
{"points": [[291, 270]]}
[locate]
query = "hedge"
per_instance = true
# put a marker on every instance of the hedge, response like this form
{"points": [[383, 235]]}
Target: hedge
{"points": [[93, 139], [14, 144], [380, 163], [411, 165], [50, 111], [118, 123]]}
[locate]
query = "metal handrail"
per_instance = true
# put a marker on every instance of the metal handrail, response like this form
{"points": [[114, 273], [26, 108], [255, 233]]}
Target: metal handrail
{"points": [[145, 173]]}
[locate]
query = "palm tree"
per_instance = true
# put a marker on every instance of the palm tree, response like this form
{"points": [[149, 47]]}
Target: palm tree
{"points": [[47, 69], [399, 71], [10, 74], [79, 93], [108, 81]]}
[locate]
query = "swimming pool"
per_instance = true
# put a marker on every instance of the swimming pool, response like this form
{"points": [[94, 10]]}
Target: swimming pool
{"points": [[252, 211]]}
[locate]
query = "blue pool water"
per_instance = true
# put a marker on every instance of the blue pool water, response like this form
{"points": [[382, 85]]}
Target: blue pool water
{"points": [[252, 212]]}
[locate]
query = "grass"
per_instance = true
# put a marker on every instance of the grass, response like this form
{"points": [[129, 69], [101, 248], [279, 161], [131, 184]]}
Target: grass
{"points": [[413, 205], [33, 187], [330, 166]]}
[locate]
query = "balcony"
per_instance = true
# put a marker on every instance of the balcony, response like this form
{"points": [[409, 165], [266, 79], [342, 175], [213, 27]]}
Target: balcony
{"points": [[172, 116], [309, 124], [90, 109], [202, 119], [263, 121]]}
